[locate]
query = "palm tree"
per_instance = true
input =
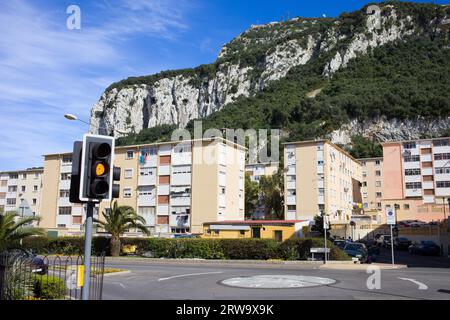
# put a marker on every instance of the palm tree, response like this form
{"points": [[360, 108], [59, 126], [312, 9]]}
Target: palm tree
{"points": [[119, 219], [12, 228]]}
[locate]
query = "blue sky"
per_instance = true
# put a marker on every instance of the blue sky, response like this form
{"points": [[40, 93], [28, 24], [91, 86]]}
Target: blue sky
{"points": [[48, 70]]}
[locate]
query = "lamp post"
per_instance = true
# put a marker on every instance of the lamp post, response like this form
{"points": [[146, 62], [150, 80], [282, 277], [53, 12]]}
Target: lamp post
{"points": [[73, 117]]}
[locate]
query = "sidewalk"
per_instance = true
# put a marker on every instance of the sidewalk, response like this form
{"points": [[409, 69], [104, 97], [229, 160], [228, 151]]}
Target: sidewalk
{"points": [[358, 266]]}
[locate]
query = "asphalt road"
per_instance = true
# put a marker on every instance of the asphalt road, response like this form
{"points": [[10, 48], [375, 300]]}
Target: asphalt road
{"points": [[166, 281], [413, 261]]}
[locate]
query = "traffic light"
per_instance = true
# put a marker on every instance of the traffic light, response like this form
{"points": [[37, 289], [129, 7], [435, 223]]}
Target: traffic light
{"points": [[97, 169]]}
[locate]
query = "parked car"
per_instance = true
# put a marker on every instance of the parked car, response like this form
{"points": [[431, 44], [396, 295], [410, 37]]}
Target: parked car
{"points": [[357, 250], [37, 265], [402, 243], [373, 252], [425, 247], [384, 241], [376, 238], [340, 243]]}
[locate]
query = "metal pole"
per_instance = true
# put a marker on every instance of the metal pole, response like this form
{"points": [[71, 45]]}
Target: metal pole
{"points": [[325, 222], [87, 251], [392, 246]]}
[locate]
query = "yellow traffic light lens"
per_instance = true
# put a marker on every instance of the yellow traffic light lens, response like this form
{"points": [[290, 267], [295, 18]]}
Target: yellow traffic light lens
{"points": [[100, 169]]}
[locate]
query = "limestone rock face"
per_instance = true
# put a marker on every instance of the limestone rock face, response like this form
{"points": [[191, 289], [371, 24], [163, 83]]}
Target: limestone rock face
{"points": [[245, 66]]}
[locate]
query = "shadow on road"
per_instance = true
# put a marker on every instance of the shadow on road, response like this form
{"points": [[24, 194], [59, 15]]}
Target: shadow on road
{"points": [[413, 261]]}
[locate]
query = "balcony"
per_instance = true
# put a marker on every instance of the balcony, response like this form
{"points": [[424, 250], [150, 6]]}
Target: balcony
{"points": [[291, 185], [12, 182], [64, 202], [164, 170], [441, 163], [64, 219], [182, 158], [442, 177], [441, 149], [64, 184], [413, 192], [66, 167], [163, 209], [180, 220], [291, 200], [320, 199], [291, 170], [147, 180], [426, 157], [180, 200], [428, 199], [180, 179], [442, 192], [146, 200], [411, 165], [427, 171], [416, 178], [428, 185]]}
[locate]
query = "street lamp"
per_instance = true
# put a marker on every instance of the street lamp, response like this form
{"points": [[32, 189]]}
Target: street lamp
{"points": [[73, 117]]}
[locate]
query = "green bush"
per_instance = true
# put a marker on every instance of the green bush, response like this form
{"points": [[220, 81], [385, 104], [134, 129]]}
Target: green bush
{"points": [[49, 288], [238, 249]]}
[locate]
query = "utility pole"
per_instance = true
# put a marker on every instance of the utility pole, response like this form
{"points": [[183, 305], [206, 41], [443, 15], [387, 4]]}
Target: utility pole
{"points": [[87, 250]]}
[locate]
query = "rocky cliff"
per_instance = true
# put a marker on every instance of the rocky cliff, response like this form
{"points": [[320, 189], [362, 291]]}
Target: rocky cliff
{"points": [[249, 63]]}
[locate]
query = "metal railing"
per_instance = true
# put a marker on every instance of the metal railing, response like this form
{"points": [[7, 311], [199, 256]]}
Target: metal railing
{"points": [[29, 277]]}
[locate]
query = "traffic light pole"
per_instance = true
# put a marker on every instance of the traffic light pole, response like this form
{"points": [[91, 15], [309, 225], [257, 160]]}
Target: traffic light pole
{"points": [[87, 251]]}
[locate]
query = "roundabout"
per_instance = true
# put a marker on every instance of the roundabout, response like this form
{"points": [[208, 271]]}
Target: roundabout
{"points": [[277, 282]]}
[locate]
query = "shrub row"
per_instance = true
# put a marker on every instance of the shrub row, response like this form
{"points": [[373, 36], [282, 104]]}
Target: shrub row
{"points": [[242, 249]]}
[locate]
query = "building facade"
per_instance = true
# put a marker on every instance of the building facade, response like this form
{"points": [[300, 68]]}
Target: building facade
{"points": [[279, 230], [417, 178], [320, 177], [175, 186], [21, 190], [372, 187]]}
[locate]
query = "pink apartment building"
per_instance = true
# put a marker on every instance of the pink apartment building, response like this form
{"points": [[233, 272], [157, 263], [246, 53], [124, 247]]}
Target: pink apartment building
{"points": [[416, 178]]}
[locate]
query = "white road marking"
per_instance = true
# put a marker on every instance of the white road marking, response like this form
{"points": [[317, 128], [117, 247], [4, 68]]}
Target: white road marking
{"points": [[187, 275], [421, 285]]}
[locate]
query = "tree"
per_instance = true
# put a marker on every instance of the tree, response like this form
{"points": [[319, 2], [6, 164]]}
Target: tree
{"points": [[119, 219], [251, 196], [318, 225], [13, 228], [272, 194]]}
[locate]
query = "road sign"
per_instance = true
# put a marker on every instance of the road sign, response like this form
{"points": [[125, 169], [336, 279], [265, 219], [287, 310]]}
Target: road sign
{"points": [[390, 216], [326, 222]]}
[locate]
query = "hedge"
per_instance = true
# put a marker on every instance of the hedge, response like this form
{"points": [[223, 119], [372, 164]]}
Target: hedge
{"points": [[242, 249], [49, 288]]}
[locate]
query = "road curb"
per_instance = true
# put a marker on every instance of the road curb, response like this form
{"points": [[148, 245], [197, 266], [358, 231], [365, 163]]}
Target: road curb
{"points": [[218, 261], [116, 273]]}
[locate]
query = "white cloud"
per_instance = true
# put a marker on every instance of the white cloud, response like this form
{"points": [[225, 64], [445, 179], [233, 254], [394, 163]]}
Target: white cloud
{"points": [[48, 70]]}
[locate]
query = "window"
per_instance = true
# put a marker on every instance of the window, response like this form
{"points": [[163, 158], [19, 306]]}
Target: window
{"points": [[442, 156], [164, 160], [130, 154], [378, 194], [13, 176], [242, 233], [61, 225], [321, 191], [406, 206], [442, 184], [441, 143], [364, 184], [185, 170], [409, 145], [34, 201], [278, 235], [35, 188], [377, 183], [128, 173], [24, 176], [65, 211], [291, 207], [413, 185], [378, 205], [127, 192], [12, 188], [413, 158], [364, 174], [163, 199], [164, 179], [64, 193], [378, 173], [11, 201], [377, 162], [65, 176], [364, 194], [442, 170], [222, 190], [147, 171], [397, 206], [23, 188], [67, 158], [320, 163], [146, 191], [412, 172], [36, 175]]}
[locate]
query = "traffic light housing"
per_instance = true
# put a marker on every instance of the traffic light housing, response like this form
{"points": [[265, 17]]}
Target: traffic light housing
{"points": [[97, 171]]}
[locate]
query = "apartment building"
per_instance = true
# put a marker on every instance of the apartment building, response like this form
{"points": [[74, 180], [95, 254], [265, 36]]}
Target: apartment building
{"points": [[255, 171], [372, 187], [320, 176], [21, 191], [417, 178], [175, 186]]}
